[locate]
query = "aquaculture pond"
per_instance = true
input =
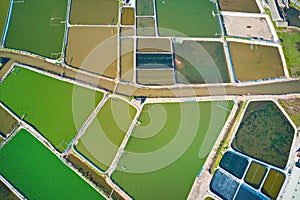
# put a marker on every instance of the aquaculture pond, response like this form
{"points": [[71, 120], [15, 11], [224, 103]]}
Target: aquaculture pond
{"points": [[169, 149], [38, 27], [223, 185], [35, 171], [55, 108], [103, 12], [155, 76], [127, 59], [200, 62], [94, 49], [273, 183], [104, 136], [265, 133], [245, 193], [234, 164], [144, 7], [153, 45], [145, 26], [255, 174], [127, 16], [253, 62], [154, 61], [188, 18], [292, 15], [4, 8], [248, 6], [126, 31]]}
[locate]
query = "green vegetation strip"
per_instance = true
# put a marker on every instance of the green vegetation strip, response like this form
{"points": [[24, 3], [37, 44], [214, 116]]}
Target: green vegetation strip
{"points": [[292, 107], [8, 122], [4, 7], [104, 136], [38, 173], [6, 193], [150, 167], [55, 108], [265, 133], [255, 174], [291, 49], [38, 27], [97, 179]]}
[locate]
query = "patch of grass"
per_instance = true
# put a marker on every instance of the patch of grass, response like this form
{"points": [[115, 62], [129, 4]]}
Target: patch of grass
{"points": [[6, 193], [291, 50], [97, 179], [292, 107], [224, 145], [294, 5], [8, 122]]}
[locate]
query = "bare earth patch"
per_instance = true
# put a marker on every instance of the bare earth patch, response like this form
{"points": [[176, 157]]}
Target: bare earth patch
{"points": [[247, 27]]}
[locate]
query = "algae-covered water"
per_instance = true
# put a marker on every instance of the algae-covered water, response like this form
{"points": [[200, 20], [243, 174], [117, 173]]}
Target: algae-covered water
{"points": [[47, 104], [200, 62], [190, 17], [38, 27], [38, 173], [254, 62], [167, 149], [104, 136], [94, 12]]}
